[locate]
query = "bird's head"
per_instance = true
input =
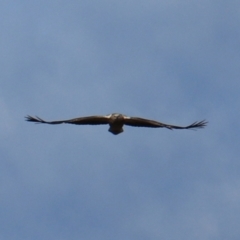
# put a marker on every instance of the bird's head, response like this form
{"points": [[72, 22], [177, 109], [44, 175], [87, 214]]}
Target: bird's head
{"points": [[116, 118]]}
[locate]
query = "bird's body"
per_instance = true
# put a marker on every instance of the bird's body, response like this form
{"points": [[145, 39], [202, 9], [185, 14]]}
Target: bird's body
{"points": [[116, 122]]}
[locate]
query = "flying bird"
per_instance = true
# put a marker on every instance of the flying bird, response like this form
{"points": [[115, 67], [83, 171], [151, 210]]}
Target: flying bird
{"points": [[116, 122]]}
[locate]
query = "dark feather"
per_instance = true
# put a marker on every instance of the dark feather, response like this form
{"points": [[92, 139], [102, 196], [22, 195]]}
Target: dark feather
{"points": [[141, 122], [92, 120]]}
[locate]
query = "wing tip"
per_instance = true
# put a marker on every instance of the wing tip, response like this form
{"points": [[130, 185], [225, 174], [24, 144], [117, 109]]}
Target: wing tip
{"points": [[198, 124], [35, 119]]}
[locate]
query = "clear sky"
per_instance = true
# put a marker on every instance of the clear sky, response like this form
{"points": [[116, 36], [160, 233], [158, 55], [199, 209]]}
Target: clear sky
{"points": [[172, 61]]}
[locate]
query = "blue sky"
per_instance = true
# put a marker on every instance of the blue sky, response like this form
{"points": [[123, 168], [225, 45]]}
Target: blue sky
{"points": [[172, 61]]}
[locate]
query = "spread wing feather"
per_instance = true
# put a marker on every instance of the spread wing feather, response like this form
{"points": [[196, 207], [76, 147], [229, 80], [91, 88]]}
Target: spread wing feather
{"points": [[142, 122], [91, 120]]}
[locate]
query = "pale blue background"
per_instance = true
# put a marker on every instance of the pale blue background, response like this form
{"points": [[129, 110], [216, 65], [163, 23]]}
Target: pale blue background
{"points": [[173, 61]]}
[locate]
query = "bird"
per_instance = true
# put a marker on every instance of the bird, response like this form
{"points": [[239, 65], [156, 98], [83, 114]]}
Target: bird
{"points": [[116, 122]]}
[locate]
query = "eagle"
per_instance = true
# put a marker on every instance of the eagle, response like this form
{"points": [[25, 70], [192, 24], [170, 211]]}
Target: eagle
{"points": [[116, 122]]}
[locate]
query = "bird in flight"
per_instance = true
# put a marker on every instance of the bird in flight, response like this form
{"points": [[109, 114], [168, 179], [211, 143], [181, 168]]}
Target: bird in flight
{"points": [[116, 122]]}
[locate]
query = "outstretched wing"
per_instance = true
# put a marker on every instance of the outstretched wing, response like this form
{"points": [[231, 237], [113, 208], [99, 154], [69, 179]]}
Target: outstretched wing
{"points": [[91, 120], [141, 122]]}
